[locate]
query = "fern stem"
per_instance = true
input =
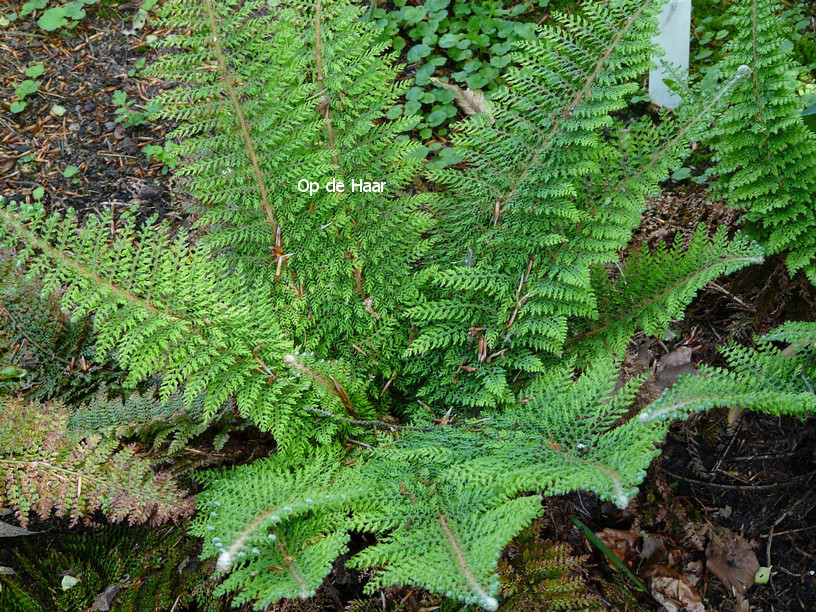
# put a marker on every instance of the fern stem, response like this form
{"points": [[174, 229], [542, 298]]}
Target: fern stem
{"points": [[487, 601], [566, 113], [332, 387], [369, 423], [228, 81], [289, 560], [325, 101]]}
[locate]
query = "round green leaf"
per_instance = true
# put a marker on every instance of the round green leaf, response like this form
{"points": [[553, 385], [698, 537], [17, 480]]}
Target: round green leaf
{"points": [[681, 174], [35, 71], [417, 52], [448, 40], [11, 371], [437, 117], [26, 88], [53, 19]]}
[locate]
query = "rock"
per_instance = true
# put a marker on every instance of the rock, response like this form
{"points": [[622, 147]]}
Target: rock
{"points": [[151, 191]]}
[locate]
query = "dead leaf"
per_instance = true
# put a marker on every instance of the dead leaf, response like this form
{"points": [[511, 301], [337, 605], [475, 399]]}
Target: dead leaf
{"points": [[675, 594], [730, 558], [670, 367], [624, 544], [675, 359], [471, 101], [102, 602], [653, 548]]}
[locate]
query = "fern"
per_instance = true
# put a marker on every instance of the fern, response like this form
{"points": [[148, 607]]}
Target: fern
{"points": [[445, 499], [56, 354], [261, 506], [328, 316], [763, 150], [146, 419], [306, 82], [765, 378], [48, 472], [152, 570], [542, 575], [653, 289], [166, 309], [555, 186]]}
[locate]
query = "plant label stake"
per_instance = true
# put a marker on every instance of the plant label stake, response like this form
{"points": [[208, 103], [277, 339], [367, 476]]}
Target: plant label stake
{"points": [[674, 22]]}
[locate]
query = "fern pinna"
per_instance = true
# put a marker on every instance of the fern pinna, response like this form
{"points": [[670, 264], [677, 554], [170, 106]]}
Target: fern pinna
{"points": [[380, 314]]}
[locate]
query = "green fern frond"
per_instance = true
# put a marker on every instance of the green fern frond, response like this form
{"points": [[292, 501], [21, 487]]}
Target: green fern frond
{"points": [[765, 379], [305, 82], [165, 308], [762, 148], [266, 532], [653, 289], [540, 575], [445, 500], [555, 185]]}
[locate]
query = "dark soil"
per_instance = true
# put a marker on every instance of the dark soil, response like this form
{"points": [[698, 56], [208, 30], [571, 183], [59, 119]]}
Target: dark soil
{"points": [[83, 68]]}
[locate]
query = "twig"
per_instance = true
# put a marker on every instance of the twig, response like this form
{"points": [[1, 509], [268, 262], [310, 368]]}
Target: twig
{"points": [[787, 531], [368, 423], [727, 448], [716, 485]]}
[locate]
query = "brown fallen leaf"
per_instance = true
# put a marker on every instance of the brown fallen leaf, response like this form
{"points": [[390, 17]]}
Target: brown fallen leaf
{"points": [[654, 549], [103, 601], [676, 594], [471, 101], [730, 558], [624, 544], [671, 366], [676, 358]]}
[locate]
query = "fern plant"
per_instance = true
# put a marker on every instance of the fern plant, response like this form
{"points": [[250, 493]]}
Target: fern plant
{"points": [[46, 471], [541, 575], [165, 425], [762, 148], [57, 356], [446, 500], [765, 378], [372, 318], [150, 569]]}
